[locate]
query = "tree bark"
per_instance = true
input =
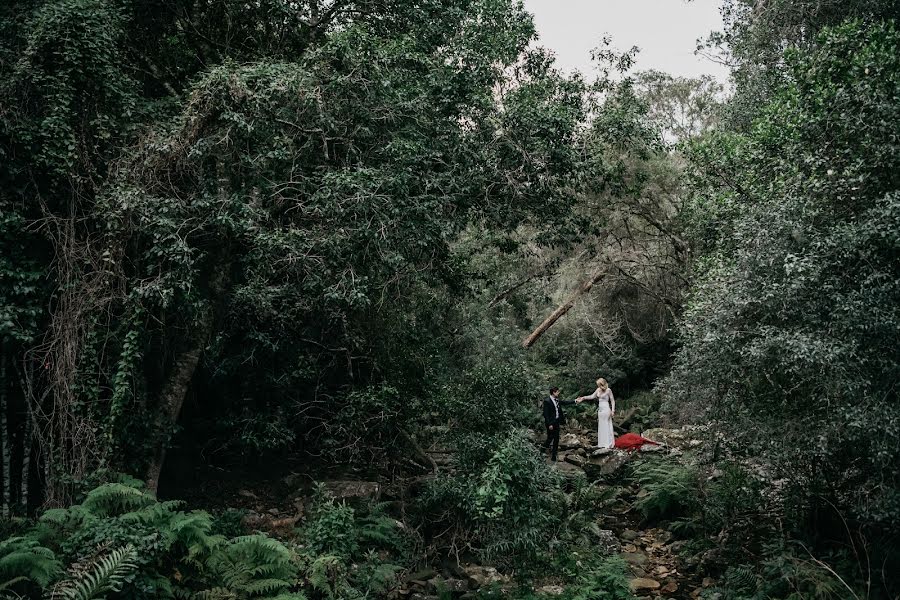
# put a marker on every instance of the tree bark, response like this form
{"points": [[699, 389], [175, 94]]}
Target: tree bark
{"points": [[557, 314], [172, 396], [5, 445], [27, 440]]}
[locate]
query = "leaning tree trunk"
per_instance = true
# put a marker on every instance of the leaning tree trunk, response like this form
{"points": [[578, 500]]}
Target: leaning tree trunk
{"points": [[557, 314], [176, 387], [172, 398]]}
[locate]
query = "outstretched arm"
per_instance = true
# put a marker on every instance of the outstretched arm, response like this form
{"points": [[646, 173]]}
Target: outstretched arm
{"points": [[591, 397]]}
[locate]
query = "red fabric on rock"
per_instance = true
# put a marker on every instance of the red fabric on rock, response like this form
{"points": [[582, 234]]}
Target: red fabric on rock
{"points": [[632, 441]]}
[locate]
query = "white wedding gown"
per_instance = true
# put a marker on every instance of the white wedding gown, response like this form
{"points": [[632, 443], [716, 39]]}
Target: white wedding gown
{"points": [[606, 437]]}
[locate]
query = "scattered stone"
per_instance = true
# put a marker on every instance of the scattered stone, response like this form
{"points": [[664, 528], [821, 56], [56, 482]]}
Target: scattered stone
{"points": [[575, 459], [567, 468], [642, 583], [342, 490], [602, 452], [551, 590], [708, 582], [252, 520], [247, 494], [681, 438], [607, 544], [569, 441], [439, 585], [652, 448], [456, 586], [479, 577], [423, 575], [670, 588], [292, 480], [285, 523], [274, 512], [637, 559], [630, 548], [630, 535]]}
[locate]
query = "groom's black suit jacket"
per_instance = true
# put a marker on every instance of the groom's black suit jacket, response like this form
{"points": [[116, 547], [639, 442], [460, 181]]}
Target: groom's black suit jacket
{"points": [[550, 417]]}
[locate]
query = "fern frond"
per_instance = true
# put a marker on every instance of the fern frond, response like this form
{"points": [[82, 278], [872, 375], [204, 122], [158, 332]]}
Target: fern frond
{"points": [[90, 579], [24, 559], [114, 499], [252, 566]]}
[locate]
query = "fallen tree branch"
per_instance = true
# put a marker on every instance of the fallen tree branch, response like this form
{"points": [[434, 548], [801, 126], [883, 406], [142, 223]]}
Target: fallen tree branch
{"points": [[557, 314]]}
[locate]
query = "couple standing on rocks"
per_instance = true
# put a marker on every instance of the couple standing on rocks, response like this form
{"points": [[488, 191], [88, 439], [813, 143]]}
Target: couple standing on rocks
{"points": [[554, 417]]}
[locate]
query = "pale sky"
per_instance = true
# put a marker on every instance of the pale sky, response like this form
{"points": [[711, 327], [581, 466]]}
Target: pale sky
{"points": [[666, 31]]}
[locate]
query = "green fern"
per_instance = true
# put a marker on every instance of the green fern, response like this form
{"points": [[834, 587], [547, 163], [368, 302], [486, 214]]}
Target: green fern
{"points": [[328, 574], [24, 559], [91, 578], [670, 489], [253, 566], [115, 499], [378, 529]]}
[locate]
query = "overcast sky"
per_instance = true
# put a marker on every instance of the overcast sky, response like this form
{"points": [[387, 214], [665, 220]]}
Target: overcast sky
{"points": [[666, 31]]}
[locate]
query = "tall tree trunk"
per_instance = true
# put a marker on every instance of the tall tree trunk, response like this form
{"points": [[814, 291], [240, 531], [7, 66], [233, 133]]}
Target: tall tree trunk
{"points": [[5, 445], [176, 387], [27, 440], [529, 341]]}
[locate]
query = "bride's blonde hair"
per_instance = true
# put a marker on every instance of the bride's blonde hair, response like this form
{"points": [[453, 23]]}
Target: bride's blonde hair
{"points": [[601, 383]]}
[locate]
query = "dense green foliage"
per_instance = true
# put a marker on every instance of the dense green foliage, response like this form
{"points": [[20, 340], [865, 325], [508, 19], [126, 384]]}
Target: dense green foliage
{"points": [[307, 238], [793, 323]]}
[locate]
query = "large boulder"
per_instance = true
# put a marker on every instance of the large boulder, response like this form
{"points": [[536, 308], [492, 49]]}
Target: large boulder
{"points": [[479, 576], [352, 489], [570, 441], [607, 543], [683, 438], [575, 459], [606, 464]]}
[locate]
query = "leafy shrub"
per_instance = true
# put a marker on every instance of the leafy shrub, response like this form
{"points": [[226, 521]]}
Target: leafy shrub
{"points": [[24, 561], [604, 580], [783, 573], [331, 529], [482, 406], [344, 548], [228, 523], [671, 488], [792, 325], [121, 539], [508, 508], [579, 526], [252, 566]]}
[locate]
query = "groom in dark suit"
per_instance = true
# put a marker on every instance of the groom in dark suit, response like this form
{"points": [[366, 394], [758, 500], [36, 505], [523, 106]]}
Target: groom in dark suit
{"points": [[554, 418]]}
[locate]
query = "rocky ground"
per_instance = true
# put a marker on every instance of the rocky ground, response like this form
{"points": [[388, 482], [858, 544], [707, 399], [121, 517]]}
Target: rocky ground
{"points": [[651, 552]]}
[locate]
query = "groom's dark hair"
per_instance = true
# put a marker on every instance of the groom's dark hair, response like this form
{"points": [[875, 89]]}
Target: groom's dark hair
{"points": [[554, 389]]}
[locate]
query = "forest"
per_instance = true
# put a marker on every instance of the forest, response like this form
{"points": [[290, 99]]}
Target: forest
{"points": [[284, 284]]}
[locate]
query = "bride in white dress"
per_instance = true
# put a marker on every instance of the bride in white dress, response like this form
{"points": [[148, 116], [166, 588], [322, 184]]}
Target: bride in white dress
{"points": [[606, 410]]}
